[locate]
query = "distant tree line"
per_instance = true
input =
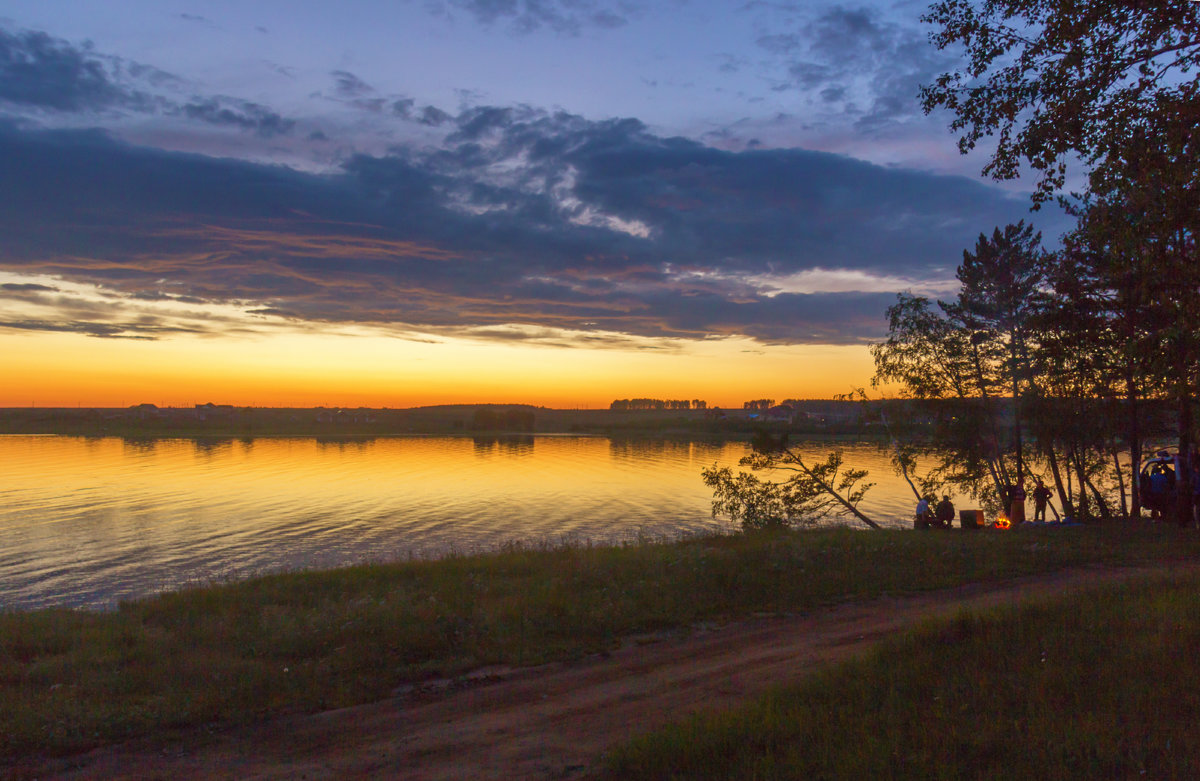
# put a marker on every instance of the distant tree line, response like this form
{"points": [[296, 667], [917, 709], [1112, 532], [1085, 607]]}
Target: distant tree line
{"points": [[493, 419], [759, 404], [624, 405]]}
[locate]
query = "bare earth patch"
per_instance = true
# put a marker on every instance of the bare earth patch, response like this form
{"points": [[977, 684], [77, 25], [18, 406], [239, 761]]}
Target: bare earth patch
{"points": [[554, 721]]}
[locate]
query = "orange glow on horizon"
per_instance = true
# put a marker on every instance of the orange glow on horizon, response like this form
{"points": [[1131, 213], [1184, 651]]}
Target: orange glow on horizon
{"points": [[307, 370]]}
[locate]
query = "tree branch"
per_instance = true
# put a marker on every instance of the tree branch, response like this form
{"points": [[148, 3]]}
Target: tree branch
{"points": [[829, 490]]}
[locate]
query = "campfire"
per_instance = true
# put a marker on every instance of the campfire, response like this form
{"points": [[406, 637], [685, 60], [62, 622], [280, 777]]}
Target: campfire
{"points": [[1002, 523]]}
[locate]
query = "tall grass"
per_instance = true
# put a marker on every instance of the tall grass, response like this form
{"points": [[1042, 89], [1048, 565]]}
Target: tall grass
{"points": [[1103, 685], [306, 641]]}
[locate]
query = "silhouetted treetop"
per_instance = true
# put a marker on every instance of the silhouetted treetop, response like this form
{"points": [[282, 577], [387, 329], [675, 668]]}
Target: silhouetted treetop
{"points": [[1049, 78]]}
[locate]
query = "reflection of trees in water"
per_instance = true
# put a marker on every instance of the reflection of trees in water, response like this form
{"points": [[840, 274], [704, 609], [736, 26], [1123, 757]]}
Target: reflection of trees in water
{"points": [[511, 445], [342, 443], [516, 446], [210, 448], [634, 448], [709, 451], [140, 445]]}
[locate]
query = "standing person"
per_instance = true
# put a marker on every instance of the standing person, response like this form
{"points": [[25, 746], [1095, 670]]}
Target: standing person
{"points": [[945, 512], [1041, 495], [1159, 487], [923, 516], [1016, 508]]}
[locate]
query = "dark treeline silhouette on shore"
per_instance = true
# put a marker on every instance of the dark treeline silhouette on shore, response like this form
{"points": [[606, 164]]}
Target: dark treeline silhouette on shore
{"points": [[512, 419], [623, 405]]}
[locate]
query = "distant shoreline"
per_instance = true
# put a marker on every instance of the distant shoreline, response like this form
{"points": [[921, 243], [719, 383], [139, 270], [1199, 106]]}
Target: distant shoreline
{"points": [[816, 419]]}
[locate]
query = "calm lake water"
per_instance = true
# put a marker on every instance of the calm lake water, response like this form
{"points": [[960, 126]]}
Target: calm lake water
{"points": [[86, 522]]}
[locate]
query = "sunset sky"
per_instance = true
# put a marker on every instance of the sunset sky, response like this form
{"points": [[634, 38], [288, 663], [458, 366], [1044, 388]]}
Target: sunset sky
{"points": [[559, 202]]}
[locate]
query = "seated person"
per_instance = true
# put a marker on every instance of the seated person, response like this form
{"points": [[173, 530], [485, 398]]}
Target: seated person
{"points": [[924, 516], [945, 512]]}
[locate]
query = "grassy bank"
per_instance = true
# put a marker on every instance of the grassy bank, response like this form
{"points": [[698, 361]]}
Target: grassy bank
{"points": [[307, 641], [1099, 686]]}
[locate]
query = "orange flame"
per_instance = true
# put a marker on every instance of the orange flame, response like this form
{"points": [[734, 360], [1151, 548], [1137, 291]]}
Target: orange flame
{"points": [[1002, 523]]}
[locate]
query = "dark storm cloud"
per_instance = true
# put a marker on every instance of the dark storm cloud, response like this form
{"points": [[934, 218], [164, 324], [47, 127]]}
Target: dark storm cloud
{"points": [[103, 330], [222, 110], [147, 74], [40, 72], [845, 47], [528, 219], [403, 107], [433, 116], [563, 16], [37, 70], [347, 85], [783, 210], [350, 90]]}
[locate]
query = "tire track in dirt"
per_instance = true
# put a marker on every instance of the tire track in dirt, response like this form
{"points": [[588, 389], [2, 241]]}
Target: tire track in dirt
{"points": [[556, 721]]}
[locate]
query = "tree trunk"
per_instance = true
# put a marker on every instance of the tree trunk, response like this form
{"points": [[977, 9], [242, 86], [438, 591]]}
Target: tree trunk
{"points": [[1064, 492], [1101, 505], [1135, 442], [996, 463], [1187, 285], [1183, 476], [1016, 394], [1116, 456], [1084, 513], [907, 479], [830, 490]]}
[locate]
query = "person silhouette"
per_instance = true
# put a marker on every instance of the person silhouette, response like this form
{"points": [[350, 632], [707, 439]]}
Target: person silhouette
{"points": [[945, 512], [923, 516], [1041, 495]]}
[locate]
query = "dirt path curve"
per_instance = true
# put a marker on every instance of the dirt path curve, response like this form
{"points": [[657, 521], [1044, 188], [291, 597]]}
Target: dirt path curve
{"points": [[555, 721]]}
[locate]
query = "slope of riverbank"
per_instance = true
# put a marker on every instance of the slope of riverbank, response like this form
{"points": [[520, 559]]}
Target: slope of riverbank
{"points": [[245, 662]]}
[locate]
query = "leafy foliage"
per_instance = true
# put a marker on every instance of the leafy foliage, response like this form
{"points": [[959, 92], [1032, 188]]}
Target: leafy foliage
{"points": [[810, 493], [1050, 78], [966, 355]]}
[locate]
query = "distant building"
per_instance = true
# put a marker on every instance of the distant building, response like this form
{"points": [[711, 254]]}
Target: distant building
{"points": [[210, 411], [144, 411], [780, 413]]}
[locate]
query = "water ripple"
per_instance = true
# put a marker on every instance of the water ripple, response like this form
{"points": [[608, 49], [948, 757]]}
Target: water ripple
{"points": [[87, 522]]}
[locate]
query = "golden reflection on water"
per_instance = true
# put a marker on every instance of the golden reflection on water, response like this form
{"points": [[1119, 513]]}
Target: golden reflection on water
{"points": [[86, 521]]}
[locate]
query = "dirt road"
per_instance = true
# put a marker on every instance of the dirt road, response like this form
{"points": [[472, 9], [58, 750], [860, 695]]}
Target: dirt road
{"points": [[555, 721]]}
